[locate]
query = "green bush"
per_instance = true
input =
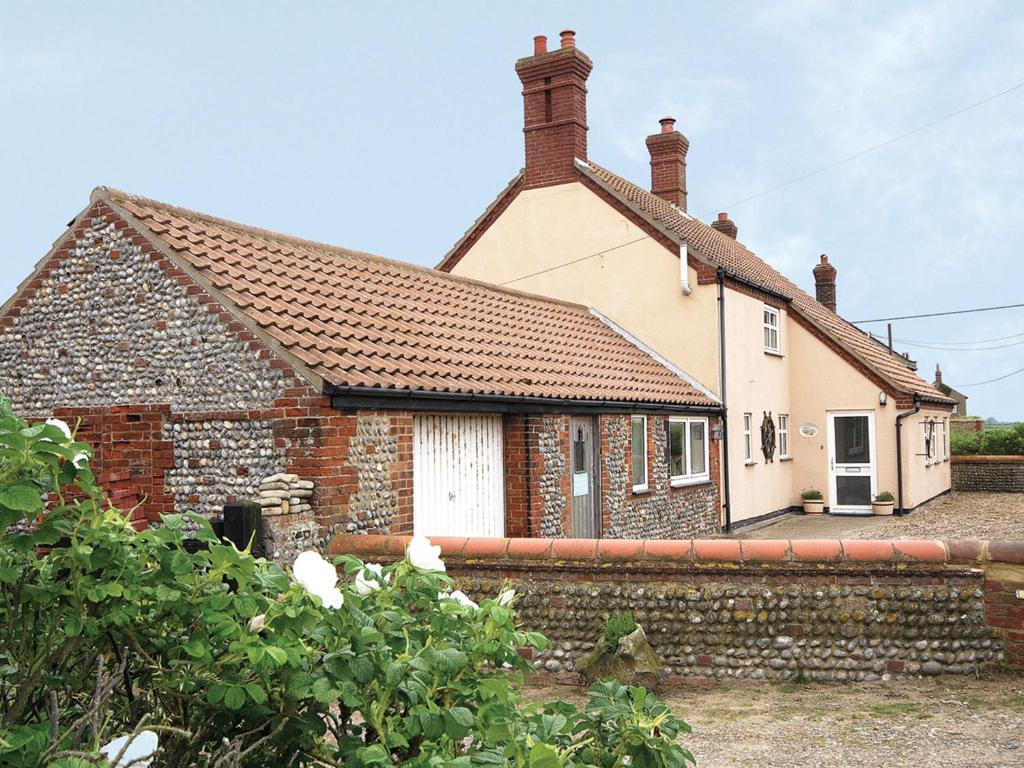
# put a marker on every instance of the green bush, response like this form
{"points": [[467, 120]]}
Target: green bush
{"points": [[812, 494], [616, 627], [994, 441], [228, 660], [884, 497]]}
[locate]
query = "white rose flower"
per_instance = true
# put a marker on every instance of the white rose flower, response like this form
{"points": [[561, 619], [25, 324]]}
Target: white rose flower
{"points": [[364, 585], [256, 623], [319, 578], [63, 427], [423, 555], [506, 597], [80, 459], [139, 750], [462, 599]]}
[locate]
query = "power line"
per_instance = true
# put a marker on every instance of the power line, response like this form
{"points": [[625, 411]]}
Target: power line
{"points": [[870, 149], [575, 261], [989, 381], [960, 343], [937, 314], [943, 348]]}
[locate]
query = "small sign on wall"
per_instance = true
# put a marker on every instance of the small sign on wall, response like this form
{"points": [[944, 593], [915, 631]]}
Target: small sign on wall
{"points": [[808, 430], [580, 483]]}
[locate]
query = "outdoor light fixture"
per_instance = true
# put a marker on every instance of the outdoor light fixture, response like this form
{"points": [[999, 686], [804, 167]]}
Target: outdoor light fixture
{"points": [[882, 398]]}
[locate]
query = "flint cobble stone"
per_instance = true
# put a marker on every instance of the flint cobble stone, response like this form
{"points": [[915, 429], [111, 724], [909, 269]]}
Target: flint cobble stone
{"points": [[109, 326], [372, 451], [824, 632]]}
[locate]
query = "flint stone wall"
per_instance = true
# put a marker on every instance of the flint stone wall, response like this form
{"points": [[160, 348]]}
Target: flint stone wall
{"points": [[553, 448], [780, 610], [662, 512], [999, 474], [109, 326]]}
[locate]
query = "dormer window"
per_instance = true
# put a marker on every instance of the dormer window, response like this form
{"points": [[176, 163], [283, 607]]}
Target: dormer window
{"points": [[771, 330]]}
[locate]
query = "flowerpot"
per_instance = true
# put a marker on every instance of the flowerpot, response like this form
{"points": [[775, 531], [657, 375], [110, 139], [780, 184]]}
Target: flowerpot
{"points": [[814, 507], [882, 507]]}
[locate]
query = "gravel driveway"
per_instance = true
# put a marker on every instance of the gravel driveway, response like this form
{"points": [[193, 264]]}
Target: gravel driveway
{"points": [[953, 516], [963, 722]]}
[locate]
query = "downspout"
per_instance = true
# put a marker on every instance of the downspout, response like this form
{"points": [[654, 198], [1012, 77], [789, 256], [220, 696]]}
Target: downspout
{"points": [[899, 453], [726, 507]]}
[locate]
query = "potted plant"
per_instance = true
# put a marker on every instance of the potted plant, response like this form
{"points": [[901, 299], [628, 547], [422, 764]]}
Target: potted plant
{"points": [[814, 502], [883, 503]]}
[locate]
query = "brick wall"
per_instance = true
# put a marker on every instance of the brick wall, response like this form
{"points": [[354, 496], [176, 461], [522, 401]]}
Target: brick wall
{"points": [[1003, 474], [717, 608]]}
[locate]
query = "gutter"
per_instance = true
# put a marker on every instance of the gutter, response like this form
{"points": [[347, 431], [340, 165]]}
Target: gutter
{"points": [[726, 502], [900, 510], [348, 396]]}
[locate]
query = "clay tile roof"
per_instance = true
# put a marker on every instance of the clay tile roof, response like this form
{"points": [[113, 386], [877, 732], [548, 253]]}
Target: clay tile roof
{"points": [[354, 319], [721, 250]]}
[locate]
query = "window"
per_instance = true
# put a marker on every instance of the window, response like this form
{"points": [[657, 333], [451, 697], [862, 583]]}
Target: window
{"points": [[945, 440], [771, 330], [930, 448], [748, 445], [639, 452], [687, 450], [783, 436]]}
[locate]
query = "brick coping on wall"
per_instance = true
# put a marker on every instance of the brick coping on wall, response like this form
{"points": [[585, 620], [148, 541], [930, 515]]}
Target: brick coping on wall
{"points": [[698, 551], [988, 459]]}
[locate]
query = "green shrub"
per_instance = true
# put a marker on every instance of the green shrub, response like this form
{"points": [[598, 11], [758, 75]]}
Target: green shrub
{"points": [[616, 627], [884, 497], [994, 441], [812, 494], [229, 660]]}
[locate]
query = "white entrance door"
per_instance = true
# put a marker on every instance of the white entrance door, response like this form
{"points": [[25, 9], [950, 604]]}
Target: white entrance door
{"points": [[458, 475], [851, 460]]}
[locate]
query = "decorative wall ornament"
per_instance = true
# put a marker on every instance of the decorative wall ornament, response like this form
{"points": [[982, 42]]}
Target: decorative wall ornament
{"points": [[768, 437], [808, 430]]}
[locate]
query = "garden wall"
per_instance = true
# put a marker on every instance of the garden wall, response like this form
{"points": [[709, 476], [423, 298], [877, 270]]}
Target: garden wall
{"points": [[988, 473], [718, 608]]}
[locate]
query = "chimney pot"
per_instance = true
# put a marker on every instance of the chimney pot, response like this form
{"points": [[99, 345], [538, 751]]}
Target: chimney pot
{"points": [[667, 124], [825, 283], [540, 44], [725, 225], [568, 38]]}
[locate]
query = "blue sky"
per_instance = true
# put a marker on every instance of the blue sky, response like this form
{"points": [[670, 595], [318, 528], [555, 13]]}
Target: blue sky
{"points": [[389, 127]]}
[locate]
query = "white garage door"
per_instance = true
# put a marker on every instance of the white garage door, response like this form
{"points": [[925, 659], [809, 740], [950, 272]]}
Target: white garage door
{"points": [[458, 478]]}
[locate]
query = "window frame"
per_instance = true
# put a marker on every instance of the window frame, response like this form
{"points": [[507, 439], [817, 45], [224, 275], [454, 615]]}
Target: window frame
{"points": [[689, 477], [784, 436], [768, 311], [643, 487], [748, 441]]}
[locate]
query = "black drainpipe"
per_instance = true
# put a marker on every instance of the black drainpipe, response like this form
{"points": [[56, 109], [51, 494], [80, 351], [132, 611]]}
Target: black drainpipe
{"points": [[899, 453], [725, 426]]}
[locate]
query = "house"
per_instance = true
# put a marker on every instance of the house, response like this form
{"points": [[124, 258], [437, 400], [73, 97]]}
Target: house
{"points": [[959, 398], [810, 400], [209, 361]]}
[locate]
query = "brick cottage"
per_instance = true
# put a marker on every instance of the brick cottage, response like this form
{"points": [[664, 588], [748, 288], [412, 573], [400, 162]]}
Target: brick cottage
{"points": [[207, 361]]}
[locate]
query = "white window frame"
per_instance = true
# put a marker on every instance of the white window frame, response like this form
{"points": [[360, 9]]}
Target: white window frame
{"points": [[771, 313], [638, 488], [945, 439], [689, 477], [748, 443], [784, 436], [930, 439]]}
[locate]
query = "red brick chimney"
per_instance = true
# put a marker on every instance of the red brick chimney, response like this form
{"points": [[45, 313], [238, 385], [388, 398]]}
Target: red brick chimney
{"points": [[938, 376], [725, 225], [825, 283], [668, 162], [554, 110]]}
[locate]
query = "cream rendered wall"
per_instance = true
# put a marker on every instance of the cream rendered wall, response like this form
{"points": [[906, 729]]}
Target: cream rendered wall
{"points": [[636, 285], [822, 382], [922, 480], [757, 382]]}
